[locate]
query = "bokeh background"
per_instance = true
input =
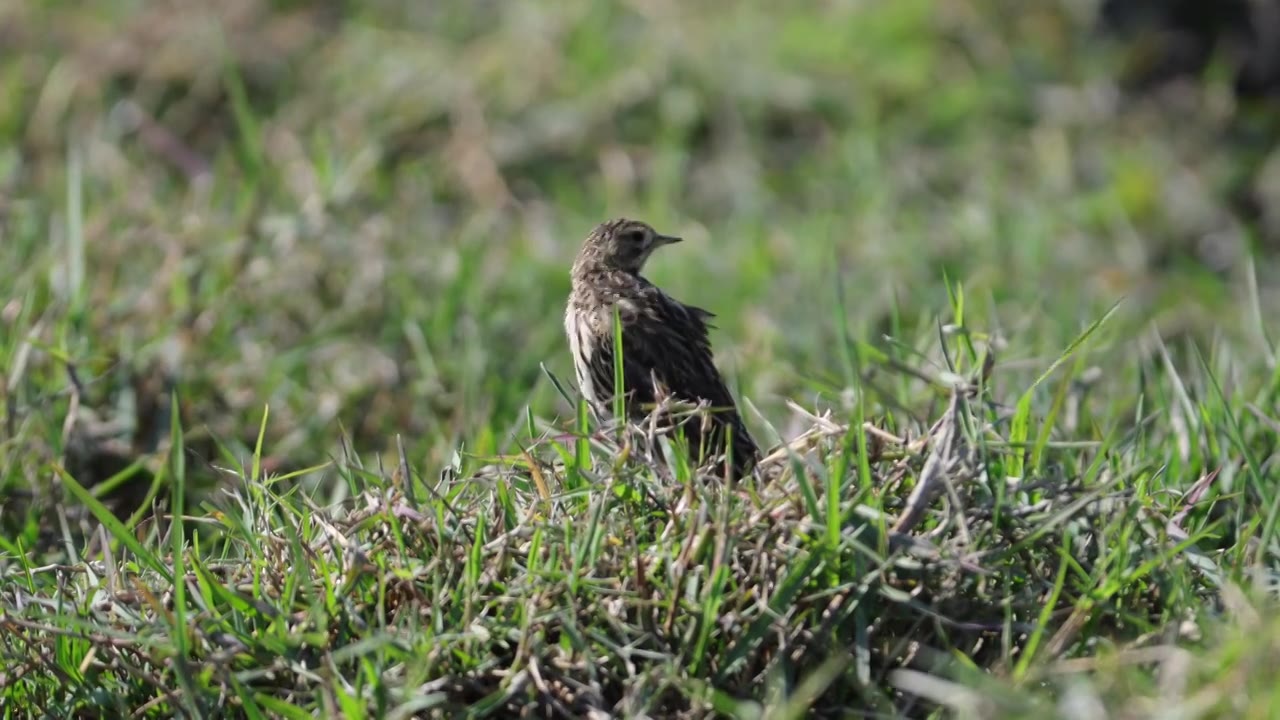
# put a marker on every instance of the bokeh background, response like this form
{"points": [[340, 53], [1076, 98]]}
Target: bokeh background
{"points": [[362, 214]]}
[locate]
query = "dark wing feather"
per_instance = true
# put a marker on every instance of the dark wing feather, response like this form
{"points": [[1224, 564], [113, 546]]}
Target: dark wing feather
{"points": [[704, 316], [667, 340]]}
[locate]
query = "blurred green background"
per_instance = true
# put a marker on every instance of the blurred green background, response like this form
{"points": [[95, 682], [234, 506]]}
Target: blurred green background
{"points": [[362, 214]]}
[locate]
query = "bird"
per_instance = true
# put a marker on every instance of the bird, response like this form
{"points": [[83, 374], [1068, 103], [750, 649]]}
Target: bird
{"points": [[666, 347]]}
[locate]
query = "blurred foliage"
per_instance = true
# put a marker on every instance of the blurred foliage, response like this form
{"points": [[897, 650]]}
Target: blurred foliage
{"points": [[364, 212], [326, 226]]}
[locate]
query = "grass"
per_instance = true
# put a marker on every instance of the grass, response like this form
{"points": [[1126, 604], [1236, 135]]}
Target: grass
{"points": [[287, 426]]}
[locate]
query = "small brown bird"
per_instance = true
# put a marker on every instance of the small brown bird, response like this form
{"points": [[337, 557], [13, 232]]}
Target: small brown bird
{"points": [[666, 350]]}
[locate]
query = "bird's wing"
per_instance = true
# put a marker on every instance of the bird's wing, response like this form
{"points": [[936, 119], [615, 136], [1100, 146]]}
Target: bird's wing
{"points": [[665, 340], [666, 343], [704, 316]]}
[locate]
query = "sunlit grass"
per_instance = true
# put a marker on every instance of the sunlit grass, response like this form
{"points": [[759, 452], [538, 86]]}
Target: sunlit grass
{"points": [[281, 319]]}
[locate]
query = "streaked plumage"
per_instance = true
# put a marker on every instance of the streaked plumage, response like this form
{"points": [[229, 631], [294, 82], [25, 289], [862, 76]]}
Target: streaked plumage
{"points": [[663, 340]]}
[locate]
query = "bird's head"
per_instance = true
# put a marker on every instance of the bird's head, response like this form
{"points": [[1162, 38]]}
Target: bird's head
{"points": [[621, 245]]}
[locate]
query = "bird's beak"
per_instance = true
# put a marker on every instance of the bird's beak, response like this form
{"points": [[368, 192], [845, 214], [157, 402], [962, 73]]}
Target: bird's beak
{"points": [[668, 239]]}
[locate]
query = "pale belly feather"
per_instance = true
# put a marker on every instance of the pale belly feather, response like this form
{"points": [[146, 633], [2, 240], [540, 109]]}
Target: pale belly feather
{"points": [[578, 332]]}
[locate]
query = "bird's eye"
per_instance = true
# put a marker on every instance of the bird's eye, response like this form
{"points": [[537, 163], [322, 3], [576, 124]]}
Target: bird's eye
{"points": [[634, 236]]}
